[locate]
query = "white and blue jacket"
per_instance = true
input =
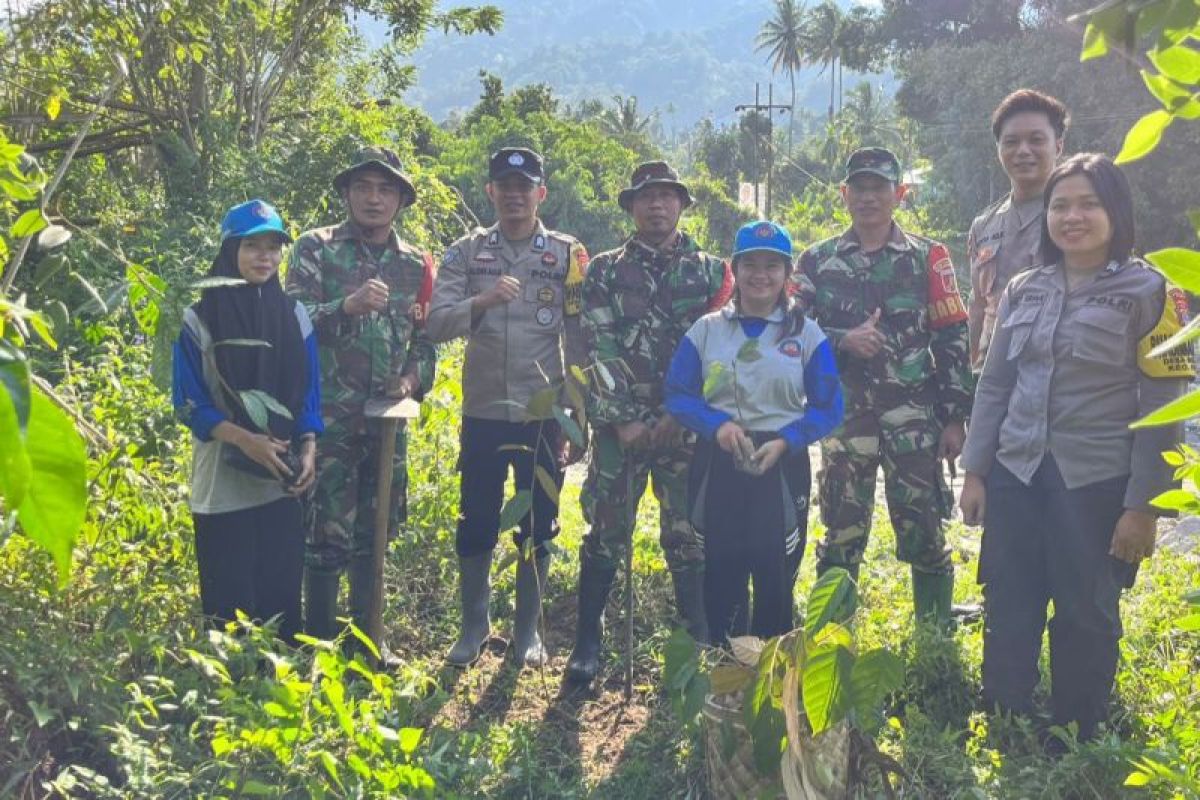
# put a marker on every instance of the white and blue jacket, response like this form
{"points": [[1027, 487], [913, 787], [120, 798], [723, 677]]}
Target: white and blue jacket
{"points": [[785, 386]]}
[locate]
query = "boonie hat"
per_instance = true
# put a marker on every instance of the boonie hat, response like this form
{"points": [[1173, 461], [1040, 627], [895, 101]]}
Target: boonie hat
{"points": [[385, 160], [763, 235], [874, 161], [520, 160], [651, 173], [251, 217]]}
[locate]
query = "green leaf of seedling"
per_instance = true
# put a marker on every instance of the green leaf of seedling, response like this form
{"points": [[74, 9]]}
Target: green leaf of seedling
{"points": [[579, 374], [1095, 43], [718, 375], [1190, 623], [1177, 500], [365, 640], [875, 674], [410, 738], [541, 405], [14, 378], [1144, 136], [15, 468], [256, 409], [605, 376], [28, 223], [55, 503], [1186, 334], [515, 510], [1180, 63], [1183, 408], [17, 190], [271, 403], [569, 426], [825, 686], [1180, 265], [831, 600], [546, 481]]}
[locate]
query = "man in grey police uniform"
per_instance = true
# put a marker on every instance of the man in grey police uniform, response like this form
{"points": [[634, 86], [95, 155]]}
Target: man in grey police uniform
{"points": [[1029, 127], [513, 290]]}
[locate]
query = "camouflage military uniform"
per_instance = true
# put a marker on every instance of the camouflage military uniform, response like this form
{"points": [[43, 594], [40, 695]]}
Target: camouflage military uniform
{"points": [[637, 304], [898, 402], [359, 356]]}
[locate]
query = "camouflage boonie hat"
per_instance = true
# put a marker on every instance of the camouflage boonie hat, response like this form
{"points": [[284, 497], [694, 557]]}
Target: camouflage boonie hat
{"points": [[385, 160], [651, 173], [873, 161]]}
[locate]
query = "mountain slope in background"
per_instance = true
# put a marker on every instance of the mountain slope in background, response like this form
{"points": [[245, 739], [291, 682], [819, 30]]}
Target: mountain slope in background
{"points": [[687, 58]]}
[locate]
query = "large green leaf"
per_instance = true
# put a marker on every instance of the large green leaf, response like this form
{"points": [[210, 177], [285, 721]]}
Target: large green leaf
{"points": [[1187, 333], [831, 600], [269, 402], [825, 686], [54, 506], [14, 378], [1181, 63], [1144, 136], [569, 426], [28, 223], [763, 711], [1180, 265], [515, 510], [14, 461], [256, 409], [875, 674], [1185, 407]]}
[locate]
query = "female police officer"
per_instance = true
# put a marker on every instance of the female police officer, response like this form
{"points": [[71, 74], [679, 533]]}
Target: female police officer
{"points": [[1061, 484]]}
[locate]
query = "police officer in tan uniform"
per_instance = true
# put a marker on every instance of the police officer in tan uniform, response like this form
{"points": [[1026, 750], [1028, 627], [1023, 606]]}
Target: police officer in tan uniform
{"points": [[513, 290], [1029, 127]]}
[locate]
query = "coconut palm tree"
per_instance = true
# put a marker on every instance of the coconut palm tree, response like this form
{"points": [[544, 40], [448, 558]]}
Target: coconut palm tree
{"points": [[821, 36], [781, 37], [869, 116], [623, 118]]}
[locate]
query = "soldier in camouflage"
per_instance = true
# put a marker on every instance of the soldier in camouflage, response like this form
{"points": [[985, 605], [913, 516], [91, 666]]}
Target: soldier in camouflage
{"points": [[889, 303], [368, 295], [638, 302]]}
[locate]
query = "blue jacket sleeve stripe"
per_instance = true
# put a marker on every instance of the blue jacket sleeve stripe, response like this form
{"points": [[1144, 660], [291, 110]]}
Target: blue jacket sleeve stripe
{"points": [[824, 406], [310, 416], [194, 405], [684, 389]]}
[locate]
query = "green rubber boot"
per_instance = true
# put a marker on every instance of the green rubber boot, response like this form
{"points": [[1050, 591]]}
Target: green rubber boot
{"points": [[932, 594], [320, 603], [475, 592], [527, 646]]}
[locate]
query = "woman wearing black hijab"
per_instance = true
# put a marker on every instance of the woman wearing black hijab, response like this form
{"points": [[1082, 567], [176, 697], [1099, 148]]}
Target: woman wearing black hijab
{"points": [[246, 384]]}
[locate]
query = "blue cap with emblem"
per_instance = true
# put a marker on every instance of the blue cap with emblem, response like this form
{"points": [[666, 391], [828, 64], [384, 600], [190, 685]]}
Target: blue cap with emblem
{"points": [[250, 218], [763, 235]]}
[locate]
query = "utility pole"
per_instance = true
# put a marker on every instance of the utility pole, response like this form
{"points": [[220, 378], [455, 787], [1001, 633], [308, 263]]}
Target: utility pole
{"points": [[769, 107]]}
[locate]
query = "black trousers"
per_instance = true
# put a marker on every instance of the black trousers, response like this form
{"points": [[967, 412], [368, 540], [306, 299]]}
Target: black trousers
{"points": [[754, 530], [1041, 543], [488, 448], [252, 560]]}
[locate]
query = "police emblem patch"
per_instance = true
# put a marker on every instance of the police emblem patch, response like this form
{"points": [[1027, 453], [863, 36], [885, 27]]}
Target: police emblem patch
{"points": [[549, 259], [260, 210], [791, 348], [545, 315], [516, 160], [545, 295], [539, 243]]}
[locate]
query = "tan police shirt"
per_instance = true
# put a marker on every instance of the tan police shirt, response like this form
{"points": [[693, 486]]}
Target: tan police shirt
{"points": [[1003, 241], [516, 349], [1067, 371]]}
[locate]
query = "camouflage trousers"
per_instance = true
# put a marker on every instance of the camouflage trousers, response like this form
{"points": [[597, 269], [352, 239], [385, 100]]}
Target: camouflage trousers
{"points": [[904, 440], [611, 512], [344, 498]]}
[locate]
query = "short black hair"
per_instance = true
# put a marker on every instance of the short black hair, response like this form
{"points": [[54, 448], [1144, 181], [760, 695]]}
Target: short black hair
{"points": [[1111, 186], [1033, 101]]}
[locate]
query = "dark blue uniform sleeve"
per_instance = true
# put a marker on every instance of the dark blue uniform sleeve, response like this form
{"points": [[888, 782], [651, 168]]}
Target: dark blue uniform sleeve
{"points": [[684, 389], [823, 407], [310, 415], [194, 405]]}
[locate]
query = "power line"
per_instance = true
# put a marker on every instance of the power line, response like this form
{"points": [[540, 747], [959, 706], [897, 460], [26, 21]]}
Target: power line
{"points": [[759, 107]]}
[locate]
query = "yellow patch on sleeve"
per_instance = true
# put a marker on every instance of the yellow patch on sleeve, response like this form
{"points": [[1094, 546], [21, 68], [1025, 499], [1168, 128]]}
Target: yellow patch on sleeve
{"points": [[1179, 361], [573, 285]]}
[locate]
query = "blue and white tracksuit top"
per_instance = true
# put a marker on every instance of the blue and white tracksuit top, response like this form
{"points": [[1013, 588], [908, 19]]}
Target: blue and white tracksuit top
{"points": [[790, 387]]}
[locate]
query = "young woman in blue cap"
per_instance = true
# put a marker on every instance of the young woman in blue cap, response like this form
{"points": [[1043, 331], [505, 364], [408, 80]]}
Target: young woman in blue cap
{"points": [[246, 384], [757, 381]]}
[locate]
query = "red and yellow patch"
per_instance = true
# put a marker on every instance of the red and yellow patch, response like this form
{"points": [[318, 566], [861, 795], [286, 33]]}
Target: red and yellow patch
{"points": [[945, 304]]}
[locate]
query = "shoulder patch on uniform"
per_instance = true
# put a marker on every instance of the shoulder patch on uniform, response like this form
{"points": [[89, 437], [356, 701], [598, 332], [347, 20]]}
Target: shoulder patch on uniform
{"points": [[573, 283], [1178, 362], [945, 306]]}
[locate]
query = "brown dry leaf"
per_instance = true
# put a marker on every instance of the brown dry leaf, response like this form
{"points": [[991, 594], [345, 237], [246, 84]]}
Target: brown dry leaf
{"points": [[730, 678], [746, 649]]}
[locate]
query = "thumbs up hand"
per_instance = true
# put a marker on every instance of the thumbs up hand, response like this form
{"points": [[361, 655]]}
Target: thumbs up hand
{"points": [[865, 340]]}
